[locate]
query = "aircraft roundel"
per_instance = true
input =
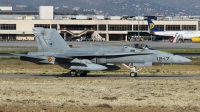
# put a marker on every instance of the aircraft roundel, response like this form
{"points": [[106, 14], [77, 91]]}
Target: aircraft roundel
{"points": [[49, 59], [151, 25]]}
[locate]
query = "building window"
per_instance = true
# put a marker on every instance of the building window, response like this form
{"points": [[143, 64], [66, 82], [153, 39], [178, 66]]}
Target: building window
{"points": [[78, 27], [71, 27], [199, 25], [54, 26], [143, 27], [129, 27], [90, 27], [7, 26], [102, 27], [42, 25], [173, 28], [135, 27], [160, 27], [119, 27], [189, 27]]}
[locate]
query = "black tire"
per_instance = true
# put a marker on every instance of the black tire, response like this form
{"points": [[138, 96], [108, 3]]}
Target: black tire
{"points": [[135, 74], [83, 74], [73, 73], [180, 41], [132, 74]]}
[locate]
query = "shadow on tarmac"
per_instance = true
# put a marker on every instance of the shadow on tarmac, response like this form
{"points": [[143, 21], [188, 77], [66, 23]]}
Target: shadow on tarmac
{"points": [[68, 75], [119, 76]]}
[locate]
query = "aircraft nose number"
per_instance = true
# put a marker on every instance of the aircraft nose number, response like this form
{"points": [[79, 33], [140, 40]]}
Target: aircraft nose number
{"points": [[162, 58]]}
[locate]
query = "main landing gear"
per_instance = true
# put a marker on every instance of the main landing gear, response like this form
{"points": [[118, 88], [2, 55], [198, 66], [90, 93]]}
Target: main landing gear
{"points": [[74, 73]]}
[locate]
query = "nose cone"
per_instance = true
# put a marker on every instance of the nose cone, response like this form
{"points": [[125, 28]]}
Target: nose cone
{"points": [[180, 59]]}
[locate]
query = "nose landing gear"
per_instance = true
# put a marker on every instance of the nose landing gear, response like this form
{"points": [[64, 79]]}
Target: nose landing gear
{"points": [[133, 72]]}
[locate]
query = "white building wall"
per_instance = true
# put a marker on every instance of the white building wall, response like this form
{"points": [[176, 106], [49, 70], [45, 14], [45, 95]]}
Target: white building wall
{"points": [[46, 12], [7, 8], [24, 27], [27, 25]]}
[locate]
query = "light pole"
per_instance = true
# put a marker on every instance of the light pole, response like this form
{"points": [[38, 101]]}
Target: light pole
{"points": [[138, 18]]}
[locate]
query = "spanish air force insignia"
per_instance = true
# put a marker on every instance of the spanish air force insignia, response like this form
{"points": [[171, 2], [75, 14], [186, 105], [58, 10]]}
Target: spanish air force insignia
{"points": [[151, 25], [49, 59]]}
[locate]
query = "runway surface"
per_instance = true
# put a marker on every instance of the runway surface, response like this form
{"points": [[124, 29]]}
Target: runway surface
{"points": [[99, 76], [158, 45]]}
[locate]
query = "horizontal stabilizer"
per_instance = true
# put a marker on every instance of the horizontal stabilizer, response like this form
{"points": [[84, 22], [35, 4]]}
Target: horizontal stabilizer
{"points": [[24, 55], [35, 59]]}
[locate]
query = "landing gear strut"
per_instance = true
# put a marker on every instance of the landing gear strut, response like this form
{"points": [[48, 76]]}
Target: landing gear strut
{"points": [[133, 70], [74, 73]]}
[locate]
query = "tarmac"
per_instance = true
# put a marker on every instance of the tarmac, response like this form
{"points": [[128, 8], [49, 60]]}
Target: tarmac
{"points": [[100, 76], [158, 45]]}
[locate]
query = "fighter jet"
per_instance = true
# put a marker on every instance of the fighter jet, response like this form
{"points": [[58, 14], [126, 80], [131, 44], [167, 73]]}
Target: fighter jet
{"points": [[52, 49]]}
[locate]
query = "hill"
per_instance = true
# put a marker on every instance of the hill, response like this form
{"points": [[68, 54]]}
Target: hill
{"points": [[113, 7]]}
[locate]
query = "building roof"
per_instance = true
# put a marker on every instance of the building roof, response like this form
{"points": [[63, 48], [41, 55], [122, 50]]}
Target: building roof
{"points": [[37, 13]]}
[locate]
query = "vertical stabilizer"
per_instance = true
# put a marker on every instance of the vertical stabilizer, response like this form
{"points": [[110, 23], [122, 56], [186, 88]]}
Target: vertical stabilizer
{"points": [[39, 46], [49, 40], [151, 25]]}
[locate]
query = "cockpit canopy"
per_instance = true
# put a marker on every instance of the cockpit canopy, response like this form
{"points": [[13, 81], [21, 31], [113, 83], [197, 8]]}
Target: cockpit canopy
{"points": [[140, 46]]}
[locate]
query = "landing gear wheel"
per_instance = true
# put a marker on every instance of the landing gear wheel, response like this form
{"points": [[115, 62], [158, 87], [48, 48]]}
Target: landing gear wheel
{"points": [[133, 74], [73, 73], [83, 74], [180, 41]]}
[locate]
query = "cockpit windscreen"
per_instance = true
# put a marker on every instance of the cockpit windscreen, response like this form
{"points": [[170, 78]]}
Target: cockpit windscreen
{"points": [[141, 46]]}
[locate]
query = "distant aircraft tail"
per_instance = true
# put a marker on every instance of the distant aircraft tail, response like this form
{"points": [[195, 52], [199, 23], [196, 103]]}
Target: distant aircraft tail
{"points": [[151, 25], [49, 40]]}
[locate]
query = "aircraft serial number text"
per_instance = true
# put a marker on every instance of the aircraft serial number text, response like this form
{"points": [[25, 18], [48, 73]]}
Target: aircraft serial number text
{"points": [[162, 58]]}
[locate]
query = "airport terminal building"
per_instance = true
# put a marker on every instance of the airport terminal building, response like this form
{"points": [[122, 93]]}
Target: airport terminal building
{"points": [[17, 25]]}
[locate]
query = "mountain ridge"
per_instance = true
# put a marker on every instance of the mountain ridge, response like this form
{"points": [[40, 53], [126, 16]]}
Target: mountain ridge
{"points": [[112, 7]]}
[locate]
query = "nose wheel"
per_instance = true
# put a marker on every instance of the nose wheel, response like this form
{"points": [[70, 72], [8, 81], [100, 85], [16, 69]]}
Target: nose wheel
{"points": [[133, 69], [133, 74]]}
